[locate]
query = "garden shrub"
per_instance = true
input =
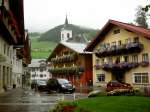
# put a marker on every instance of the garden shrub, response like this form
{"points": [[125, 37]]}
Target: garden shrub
{"points": [[121, 92], [64, 107]]}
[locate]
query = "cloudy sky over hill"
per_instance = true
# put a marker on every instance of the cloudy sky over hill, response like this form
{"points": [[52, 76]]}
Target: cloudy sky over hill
{"points": [[41, 15]]}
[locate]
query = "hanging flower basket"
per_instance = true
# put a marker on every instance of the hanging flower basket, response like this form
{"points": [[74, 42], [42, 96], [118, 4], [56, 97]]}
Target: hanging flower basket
{"points": [[144, 63], [97, 67]]}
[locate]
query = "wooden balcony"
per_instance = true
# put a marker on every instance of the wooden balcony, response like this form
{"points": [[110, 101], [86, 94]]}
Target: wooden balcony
{"points": [[75, 70], [64, 59], [134, 47]]}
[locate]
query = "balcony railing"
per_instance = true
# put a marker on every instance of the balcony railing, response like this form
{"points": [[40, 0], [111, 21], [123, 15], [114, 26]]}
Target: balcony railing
{"points": [[133, 47], [75, 70], [119, 66], [64, 59]]}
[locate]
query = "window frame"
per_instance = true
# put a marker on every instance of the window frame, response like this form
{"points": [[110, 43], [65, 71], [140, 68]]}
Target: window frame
{"points": [[102, 77], [140, 75], [145, 58]]}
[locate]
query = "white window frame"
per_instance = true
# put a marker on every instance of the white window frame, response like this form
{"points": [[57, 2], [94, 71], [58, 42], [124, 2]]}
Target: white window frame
{"points": [[133, 77], [100, 74]]}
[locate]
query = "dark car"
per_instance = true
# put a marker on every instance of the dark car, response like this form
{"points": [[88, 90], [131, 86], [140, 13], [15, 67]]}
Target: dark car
{"points": [[114, 84], [60, 85], [39, 84]]}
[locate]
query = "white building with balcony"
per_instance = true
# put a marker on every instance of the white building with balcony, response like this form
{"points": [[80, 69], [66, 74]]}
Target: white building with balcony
{"points": [[38, 70]]}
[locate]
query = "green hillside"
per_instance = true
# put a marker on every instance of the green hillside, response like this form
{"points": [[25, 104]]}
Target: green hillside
{"points": [[54, 33], [41, 49]]}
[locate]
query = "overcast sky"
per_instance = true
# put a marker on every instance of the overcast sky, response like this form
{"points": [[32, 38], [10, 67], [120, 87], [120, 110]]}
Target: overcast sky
{"points": [[42, 15]]}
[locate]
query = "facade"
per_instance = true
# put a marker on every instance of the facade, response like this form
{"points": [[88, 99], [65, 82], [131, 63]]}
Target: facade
{"points": [[12, 39], [121, 52], [38, 70], [70, 62]]}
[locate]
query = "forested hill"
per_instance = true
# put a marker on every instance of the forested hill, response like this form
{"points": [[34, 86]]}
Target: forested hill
{"points": [[54, 33]]}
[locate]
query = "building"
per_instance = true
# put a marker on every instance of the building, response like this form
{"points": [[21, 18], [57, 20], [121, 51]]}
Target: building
{"points": [[38, 70], [68, 60], [121, 52], [12, 39]]}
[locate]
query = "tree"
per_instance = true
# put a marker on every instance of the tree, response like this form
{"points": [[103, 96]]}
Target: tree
{"points": [[141, 17]]}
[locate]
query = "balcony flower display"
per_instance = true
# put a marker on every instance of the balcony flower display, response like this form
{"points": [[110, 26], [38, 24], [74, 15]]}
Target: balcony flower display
{"points": [[131, 47], [144, 63], [97, 67], [135, 64]]}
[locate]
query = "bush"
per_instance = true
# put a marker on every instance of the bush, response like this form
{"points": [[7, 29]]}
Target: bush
{"points": [[121, 92], [64, 107]]}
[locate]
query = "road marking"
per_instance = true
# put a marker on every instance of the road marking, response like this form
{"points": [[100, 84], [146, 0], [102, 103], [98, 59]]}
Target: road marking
{"points": [[3, 104]]}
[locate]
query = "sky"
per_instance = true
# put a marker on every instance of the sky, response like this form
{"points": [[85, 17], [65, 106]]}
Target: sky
{"points": [[42, 15]]}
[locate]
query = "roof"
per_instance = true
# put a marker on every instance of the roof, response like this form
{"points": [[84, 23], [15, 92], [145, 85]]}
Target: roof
{"points": [[136, 29], [77, 47], [35, 62], [80, 38]]}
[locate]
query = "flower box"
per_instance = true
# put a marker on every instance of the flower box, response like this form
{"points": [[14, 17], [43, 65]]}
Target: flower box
{"points": [[144, 63], [97, 67]]}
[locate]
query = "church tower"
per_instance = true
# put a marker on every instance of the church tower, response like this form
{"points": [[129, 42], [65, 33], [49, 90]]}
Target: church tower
{"points": [[66, 32]]}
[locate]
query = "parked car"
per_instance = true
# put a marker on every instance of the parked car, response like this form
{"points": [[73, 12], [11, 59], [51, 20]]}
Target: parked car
{"points": [[39, 84], [33, 84], [114, 84], [60, 85], [42, 84]]}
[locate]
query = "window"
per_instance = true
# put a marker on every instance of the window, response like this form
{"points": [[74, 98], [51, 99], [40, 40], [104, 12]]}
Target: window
{"points": [[100, 77], [1, 2], [68, 35], [127, 41], [145, 57], [126, 58], [62, 35], [110, 60], [107, 45], [33, 69], [97, 62], [117, 60], [4, 48], [113, 44], [41, 75], [41, 69], [141, 78], [136, 39], [102, 61], [116, 31], [119, 42], [135, 58]]}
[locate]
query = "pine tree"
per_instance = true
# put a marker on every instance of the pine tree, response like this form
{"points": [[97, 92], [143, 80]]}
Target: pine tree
{"points": [[141, 17]]}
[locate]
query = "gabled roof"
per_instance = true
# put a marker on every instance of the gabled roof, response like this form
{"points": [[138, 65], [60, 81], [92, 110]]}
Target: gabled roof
{"points": [[76, 47], [136, 29]]}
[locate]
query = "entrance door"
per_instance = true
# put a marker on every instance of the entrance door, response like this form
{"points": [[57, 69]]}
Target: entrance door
{"points": [[119, 76]]}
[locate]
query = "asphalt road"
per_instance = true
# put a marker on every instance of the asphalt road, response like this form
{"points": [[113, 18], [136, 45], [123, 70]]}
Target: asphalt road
{"points": [[27, 100]]}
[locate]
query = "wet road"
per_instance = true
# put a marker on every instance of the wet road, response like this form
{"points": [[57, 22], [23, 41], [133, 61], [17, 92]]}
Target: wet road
{"points": [[27, 100]]}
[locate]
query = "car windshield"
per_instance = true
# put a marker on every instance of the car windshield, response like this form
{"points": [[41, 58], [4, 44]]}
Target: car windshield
{"points": [[63, 81], [41, 82]]}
